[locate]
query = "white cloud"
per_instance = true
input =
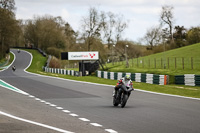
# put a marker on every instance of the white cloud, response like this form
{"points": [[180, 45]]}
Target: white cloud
{"points": [[65, 14], [145, 10]]}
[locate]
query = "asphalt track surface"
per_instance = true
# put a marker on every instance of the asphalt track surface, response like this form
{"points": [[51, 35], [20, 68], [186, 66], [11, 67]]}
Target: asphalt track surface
{"points": [[144, 112]]}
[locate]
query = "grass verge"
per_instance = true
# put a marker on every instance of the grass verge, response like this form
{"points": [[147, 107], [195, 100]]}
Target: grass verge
{"points": [[37, 62], [189, 91], [11, 58], [10, 61]]}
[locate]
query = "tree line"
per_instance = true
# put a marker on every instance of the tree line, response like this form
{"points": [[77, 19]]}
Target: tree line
{"points": [[169, 34], [9, 28]]}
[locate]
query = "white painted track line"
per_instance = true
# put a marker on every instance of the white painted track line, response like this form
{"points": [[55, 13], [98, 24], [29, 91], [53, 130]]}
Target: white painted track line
{"points": [[84, 119], [35, 123], [60, 108], [73, 115], [52, 105], [96, 124], [111, 131], [66, 111]]}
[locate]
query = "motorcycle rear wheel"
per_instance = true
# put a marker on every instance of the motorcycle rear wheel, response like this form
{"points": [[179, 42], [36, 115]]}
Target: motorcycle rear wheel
{"points": [[115, 103], [115, 100]]}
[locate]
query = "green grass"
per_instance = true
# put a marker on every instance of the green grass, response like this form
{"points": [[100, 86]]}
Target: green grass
{"points": [[11, 58], [10, 61], [122, 68], [168, 89], [37, 62], [155, 63], [75, 69]]}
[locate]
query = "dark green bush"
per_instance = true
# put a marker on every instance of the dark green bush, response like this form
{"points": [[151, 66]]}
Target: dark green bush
{"points": [[54, 52]]}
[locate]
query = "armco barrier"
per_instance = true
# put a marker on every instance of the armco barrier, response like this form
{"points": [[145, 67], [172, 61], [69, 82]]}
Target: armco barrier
{"points": [[61, 71], [138, 77], [188, 79], [197, 80]]}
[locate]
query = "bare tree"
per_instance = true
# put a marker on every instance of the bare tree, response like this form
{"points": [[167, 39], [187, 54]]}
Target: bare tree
{"points": [[153, 36], [99, 26], [167, 18], [114, 26], [7, 4], [92, 26], [109, 27], [121, 25]]}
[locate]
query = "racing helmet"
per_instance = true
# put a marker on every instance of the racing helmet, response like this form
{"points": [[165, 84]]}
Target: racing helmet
{"points": [[127, 77]]}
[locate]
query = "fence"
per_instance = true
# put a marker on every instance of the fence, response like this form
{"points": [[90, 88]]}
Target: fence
{"points": [[137, 77], [164, 63]]}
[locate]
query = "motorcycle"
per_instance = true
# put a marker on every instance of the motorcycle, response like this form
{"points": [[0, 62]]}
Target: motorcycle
{"points": [[122, 95], [13, 68]]}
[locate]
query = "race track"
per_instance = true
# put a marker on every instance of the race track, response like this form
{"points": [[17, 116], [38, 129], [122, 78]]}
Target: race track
{"points": [[144, 112]]}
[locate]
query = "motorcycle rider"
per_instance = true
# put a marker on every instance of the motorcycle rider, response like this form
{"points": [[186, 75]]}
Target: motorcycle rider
{"points": [[13, 68], [122, 84]]}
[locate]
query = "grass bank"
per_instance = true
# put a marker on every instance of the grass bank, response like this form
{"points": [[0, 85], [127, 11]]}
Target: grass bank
{"points": [[184, 60], [39, 61]]}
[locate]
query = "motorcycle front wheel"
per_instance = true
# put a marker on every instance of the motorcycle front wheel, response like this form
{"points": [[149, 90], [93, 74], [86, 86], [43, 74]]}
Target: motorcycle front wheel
{"points": [[124, 100]]}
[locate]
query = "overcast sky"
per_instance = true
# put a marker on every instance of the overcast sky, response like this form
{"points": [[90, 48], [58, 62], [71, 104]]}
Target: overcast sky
{"points": [[142, 14]]}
